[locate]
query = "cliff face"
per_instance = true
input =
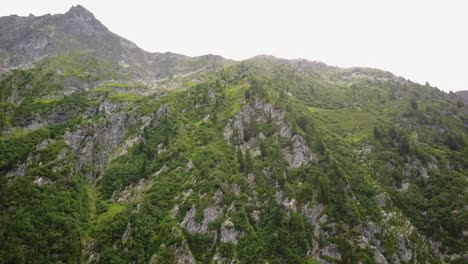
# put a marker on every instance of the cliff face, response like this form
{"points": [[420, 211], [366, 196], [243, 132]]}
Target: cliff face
{"points": [[105, 159]]}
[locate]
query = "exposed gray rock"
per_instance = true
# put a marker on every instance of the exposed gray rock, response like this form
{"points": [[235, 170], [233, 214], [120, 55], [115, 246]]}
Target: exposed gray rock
{"points": [[423, 172], [132, 192], [184, 255], [279, 196], [382, 199], [379, 257], [210, 214], [432, 166], [44, 143], [217, 197], [40, 181], [251, 180], [331, 251], [312, 214], [90, 252], [229, 233], [107, 107], [174, 211], [236, 189], [285, 130], [365, 151], [299, 154], [256, 215], [128, 232], [260, 111], [163, 169], [161, 148], [289, 205], [163, 111], [405, 253], [62, 154], [24, 40], [369, 231], [93, 144], [190, 165], [127, 144]]}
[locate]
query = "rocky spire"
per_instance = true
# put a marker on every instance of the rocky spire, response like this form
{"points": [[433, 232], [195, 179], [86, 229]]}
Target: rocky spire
{"points": [[80, 11]]}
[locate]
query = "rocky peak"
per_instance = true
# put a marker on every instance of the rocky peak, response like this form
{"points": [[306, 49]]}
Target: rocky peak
{"points": [[80, 11], [80, 15]]}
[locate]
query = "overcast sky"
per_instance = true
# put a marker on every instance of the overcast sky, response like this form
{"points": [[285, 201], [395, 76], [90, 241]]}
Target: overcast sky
{"points": [[419, 40]]}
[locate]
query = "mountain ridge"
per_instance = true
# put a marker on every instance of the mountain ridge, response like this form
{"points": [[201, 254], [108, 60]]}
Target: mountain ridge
{"points": [[27, 39], [111, 154], [148, 61]]}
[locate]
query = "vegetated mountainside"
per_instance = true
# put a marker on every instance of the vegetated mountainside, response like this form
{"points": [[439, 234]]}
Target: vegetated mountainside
{"points": [[264, 160]]}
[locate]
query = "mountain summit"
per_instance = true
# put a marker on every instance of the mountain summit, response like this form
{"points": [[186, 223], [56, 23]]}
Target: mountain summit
{"points": [[28, 39], [111, 154], [80, 11]]}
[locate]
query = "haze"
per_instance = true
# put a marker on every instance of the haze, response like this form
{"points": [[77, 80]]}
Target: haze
{"points": [[422, 40]]}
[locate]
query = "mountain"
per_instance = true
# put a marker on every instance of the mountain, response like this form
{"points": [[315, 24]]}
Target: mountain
{"points": [[27, 39], [111, 154]]}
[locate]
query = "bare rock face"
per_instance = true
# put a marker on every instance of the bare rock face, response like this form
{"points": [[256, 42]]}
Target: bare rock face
{"points": [[299, 153], [312, 214], [296, 155], [93, 144], [365, 151], [379, 257], [405, 253], [331, 251], [43, 144], [163, 111], [370, 231], [228, 233], [108, 107], [289, 205], [127, 233], [260, 111], [210, 214], [133, 192]]}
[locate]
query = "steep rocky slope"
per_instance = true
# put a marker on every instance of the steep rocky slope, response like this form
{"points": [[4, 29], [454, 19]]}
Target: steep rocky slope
{"points": [[27, 39], [260, 161]]}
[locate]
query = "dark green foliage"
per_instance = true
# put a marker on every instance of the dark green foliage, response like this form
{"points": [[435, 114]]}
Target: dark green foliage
{"points": [[240, 160], [201, 246], [323, 189], [364, 138], [455, 142], [414, 104], [49, 220], [378, 133], [403, 145], [26, 85]]}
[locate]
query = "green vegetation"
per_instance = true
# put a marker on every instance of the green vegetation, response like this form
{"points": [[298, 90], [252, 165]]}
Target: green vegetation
{"points": [[110, 174]]}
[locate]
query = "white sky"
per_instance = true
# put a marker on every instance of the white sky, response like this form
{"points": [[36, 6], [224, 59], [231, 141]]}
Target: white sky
{"points": [[419, 40]]}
